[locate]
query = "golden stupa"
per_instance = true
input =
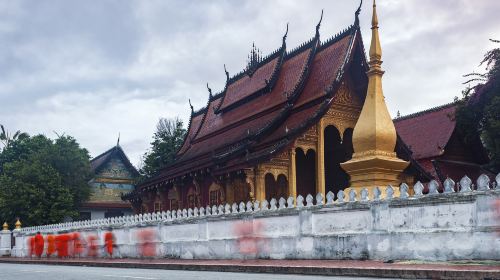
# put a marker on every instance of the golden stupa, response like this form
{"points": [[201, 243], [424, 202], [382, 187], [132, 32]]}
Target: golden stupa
{"points": [[374, 163]]}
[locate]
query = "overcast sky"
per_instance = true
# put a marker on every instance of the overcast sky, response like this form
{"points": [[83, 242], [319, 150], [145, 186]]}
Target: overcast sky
{"points": [[93, 69]]}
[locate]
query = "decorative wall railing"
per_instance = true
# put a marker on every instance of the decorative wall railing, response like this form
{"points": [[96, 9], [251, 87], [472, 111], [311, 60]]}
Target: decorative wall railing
{"points": [[425, 222], [466, 185]]}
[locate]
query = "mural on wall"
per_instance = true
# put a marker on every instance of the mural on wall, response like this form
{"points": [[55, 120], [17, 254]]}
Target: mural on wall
{"points": [[113, 180], [115, 168]]}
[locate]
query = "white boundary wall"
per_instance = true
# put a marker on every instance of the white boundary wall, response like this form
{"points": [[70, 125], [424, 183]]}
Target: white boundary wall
{"points": [[435, 226]]}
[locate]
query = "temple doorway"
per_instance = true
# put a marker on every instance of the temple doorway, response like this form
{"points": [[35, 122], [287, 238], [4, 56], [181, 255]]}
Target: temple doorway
{"points": [[193, 197], [305, 171], [336, 152], [215, 195], [276, 188], [241, 191], [173, 199]]}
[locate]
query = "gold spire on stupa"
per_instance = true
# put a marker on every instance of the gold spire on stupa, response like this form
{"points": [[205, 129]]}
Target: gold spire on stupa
{"points": [[18, 224], [374, 162], [5, 226]]}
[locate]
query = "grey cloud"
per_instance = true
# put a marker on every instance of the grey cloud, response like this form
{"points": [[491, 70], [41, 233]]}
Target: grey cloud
{"points": [[93, 69]]}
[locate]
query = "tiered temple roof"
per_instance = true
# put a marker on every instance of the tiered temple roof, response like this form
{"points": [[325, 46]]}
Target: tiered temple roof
{"points": [[266, 106]]}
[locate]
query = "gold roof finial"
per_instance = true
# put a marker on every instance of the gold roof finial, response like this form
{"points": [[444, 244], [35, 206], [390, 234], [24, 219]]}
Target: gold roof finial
{"points": [[18, 224], [375, 48], [5, 226]]}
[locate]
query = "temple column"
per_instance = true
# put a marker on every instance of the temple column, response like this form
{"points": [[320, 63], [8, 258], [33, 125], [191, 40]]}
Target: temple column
{"points": [[260, 184], [320, 159], [250, 180], [292, 178], [228, 188]]}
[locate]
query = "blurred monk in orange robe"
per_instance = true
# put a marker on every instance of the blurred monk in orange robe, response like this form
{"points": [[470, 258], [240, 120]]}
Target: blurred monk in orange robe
{"points": [[62, 245], [92, 245], [77, 244], [109, 242], [39, 243], [51, 245]]}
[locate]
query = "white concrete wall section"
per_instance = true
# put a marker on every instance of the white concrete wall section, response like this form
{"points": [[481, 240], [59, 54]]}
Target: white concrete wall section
{"points": [[5, 243], [439, 226]]}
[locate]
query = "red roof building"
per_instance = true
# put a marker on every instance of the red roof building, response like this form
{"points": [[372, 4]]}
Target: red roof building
{"points": [[437, 145]]}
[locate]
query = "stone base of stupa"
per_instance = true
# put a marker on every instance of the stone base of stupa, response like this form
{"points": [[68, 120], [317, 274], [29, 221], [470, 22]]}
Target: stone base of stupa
{"points": [[375, 171]]}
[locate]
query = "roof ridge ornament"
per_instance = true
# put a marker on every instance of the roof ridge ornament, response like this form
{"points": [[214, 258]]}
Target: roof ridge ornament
{"points": [[254, 59], [319, 24], [209, 92], [227, 73], [191, 105], [356, 14], [286, 34]]}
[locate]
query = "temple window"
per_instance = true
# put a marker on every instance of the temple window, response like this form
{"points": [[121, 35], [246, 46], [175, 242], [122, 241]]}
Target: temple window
{"points": [[215, 194], [174, 204], [193, 198], [275, 188], [157, 207], [173, 199], [214, 197], [113, 213], [241, 190], [144, 209]]}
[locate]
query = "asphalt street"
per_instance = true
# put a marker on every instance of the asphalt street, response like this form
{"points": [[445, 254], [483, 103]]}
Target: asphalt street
{"points": [[56, 272]]}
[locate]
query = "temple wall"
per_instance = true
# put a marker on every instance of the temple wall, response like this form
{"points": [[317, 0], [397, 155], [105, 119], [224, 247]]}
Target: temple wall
{"points": [[440, 226]]}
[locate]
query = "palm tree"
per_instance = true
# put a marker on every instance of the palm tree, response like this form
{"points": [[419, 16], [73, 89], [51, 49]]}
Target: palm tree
{"points": [[6, 137]]}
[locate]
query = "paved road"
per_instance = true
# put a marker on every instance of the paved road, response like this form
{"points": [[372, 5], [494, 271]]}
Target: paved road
{"points": [[52, 272]]}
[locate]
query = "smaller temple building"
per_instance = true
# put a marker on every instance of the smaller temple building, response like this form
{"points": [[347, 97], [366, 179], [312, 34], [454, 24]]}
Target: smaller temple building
{"points": [[437, 146], [114, 175]]}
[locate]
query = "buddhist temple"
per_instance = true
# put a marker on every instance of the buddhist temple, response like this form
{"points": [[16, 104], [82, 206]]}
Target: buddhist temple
{"points": [[114, 175], [297, 122], [438, 147]]}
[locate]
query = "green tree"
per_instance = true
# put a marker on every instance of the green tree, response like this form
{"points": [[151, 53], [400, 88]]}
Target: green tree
{"points": [[42, 180], [167, 140], [478, 113], [6, 137]]}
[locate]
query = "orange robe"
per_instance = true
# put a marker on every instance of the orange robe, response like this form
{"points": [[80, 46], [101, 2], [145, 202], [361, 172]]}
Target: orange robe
{"points": [[77, 244], [39, 243], [51, 245], [108, 242], [70, 244], [62, 245], [92, 243]]}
